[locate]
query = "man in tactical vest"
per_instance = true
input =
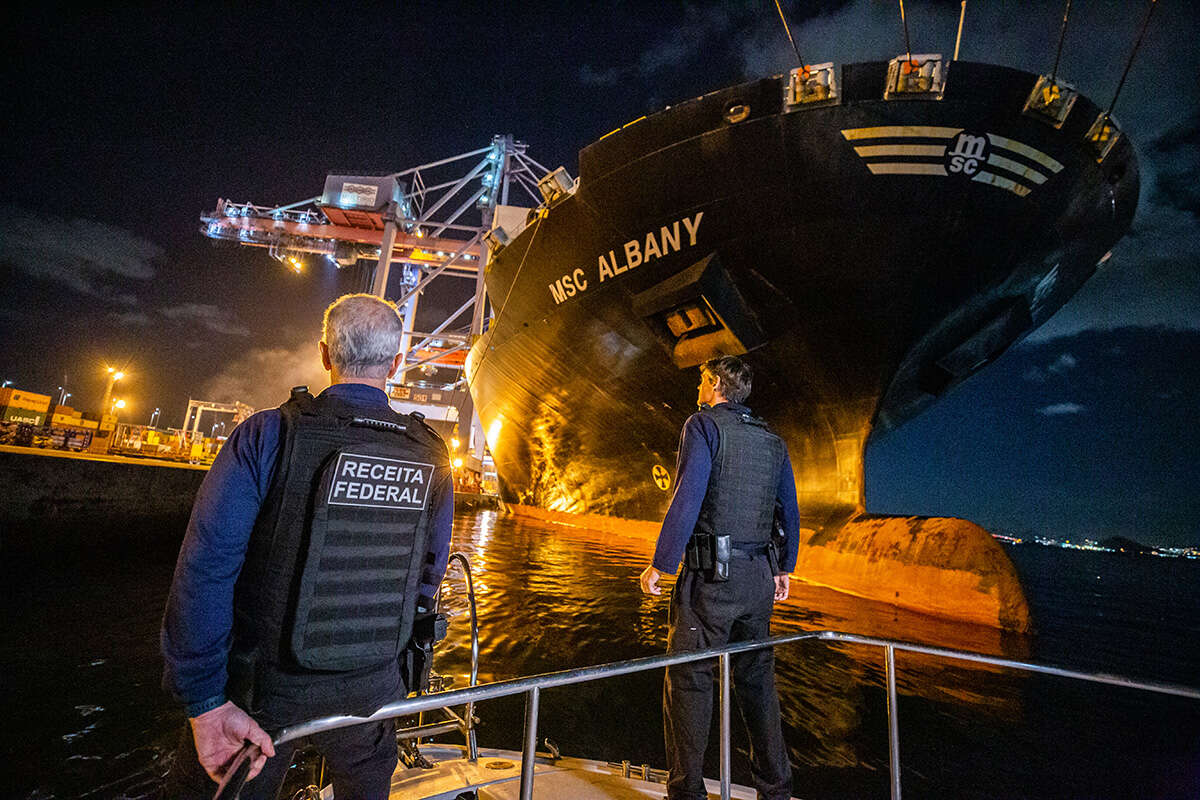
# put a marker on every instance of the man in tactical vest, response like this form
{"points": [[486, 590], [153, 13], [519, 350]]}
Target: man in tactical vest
{"points": [[320, 530], [731, 475]]}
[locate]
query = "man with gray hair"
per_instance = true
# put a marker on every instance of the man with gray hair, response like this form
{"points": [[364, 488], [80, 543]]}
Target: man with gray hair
{"points": [[321, 529]]}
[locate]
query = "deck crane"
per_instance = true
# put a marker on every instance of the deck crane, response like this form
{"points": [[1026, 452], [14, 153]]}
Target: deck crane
{"points": [[433, 220]]}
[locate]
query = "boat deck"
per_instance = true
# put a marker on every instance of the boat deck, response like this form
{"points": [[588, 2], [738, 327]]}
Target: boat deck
{"points": [[497, 776]]}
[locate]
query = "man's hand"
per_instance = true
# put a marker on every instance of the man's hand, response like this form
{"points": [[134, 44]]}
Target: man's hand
{"points": [[220, 734], [781, 586], [649, 581]]}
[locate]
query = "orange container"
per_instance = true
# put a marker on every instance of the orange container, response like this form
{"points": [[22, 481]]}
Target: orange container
{"points": [[19, 398]]}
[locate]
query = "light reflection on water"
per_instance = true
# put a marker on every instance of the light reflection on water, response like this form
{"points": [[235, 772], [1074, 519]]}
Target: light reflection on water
{"points": [[554, 597], [80, 672]]}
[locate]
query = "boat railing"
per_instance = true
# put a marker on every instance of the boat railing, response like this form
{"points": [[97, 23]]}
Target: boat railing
{"points": [[532, 688], [463, 723]]}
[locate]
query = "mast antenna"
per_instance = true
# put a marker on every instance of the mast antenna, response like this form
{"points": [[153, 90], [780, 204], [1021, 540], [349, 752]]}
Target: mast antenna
{"points": [[1062, 35], [788, 29], [1136, 45], [962, 15]]}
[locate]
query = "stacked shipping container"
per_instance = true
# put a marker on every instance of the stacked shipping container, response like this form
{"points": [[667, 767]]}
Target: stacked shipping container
{"points": [[28, 419], [18, 405]]}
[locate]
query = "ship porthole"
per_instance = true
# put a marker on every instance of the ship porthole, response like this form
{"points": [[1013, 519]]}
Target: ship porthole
{"points": [[662, 478], [737, 113]]}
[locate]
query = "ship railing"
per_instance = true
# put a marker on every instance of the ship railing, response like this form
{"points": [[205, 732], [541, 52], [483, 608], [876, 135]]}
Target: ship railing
{"points": [[531, 688]]}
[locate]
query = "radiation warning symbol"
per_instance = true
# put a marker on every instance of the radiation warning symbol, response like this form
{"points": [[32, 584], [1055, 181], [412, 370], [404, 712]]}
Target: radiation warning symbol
{"points": [[661, 477]]}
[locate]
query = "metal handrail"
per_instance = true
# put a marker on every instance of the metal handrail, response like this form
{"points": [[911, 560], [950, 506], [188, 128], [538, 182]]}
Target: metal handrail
{"points": [[469, 717], [531, 687], [464, 724]]}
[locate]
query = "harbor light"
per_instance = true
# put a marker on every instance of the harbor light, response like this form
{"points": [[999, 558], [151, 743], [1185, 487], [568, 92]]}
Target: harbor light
{"points": [[114, 375]]}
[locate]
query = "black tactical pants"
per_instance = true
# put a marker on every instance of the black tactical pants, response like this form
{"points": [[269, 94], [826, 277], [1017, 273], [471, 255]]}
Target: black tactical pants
{"points": [[360, 760], [705, 614]]}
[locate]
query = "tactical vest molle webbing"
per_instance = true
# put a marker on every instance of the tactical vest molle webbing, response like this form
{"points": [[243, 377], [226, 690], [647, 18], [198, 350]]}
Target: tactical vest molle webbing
{"points": [[331, 573], [740, 500]]}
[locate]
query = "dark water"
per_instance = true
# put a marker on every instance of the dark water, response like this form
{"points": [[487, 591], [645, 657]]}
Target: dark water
{"points": [[84, 715]]}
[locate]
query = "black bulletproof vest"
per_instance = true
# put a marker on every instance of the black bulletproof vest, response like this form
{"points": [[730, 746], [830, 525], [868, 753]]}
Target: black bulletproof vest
{"points": [[740, 500], [331, 572]]}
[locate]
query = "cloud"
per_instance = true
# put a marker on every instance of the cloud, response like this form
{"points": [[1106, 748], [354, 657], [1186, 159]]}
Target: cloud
{"points": [[217, 319], [262, 376], [130, 317], [1058, 409], [590, 76], [690, 38], [1063, 363], [83, 255]]}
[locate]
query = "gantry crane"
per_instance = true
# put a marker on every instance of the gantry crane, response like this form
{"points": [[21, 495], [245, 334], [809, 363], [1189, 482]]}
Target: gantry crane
{"points": [[406, 218]]}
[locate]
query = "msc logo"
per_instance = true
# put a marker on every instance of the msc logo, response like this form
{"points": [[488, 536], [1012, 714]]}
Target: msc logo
{"points": [[931, 150], [966, 154]]}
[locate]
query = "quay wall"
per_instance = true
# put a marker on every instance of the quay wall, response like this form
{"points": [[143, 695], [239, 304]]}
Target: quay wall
{"points": [[54, 501], [59, 503]]}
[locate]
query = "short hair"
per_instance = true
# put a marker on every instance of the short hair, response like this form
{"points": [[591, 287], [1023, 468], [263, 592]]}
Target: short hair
{"points": [[735, 376], [362, 333]]}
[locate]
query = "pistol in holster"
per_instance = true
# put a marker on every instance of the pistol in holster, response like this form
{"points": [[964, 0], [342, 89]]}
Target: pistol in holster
{"points": [[709, 553], [777, 542], [416, 659]]}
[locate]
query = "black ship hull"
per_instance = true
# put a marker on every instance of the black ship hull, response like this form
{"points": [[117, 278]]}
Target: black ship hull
{"points": [[858, 267]]}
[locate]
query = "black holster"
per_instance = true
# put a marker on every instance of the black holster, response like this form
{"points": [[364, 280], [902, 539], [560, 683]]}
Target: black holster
{"points": [[777, 542], [417, 658], [709, 553]]}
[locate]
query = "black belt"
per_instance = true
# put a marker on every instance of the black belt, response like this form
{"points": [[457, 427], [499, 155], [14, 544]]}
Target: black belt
{"points": [[749, 549]]}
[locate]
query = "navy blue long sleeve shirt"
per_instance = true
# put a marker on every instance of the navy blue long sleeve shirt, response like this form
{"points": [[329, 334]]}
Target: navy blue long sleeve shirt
{"points": [[697, 449], [197, 627]]}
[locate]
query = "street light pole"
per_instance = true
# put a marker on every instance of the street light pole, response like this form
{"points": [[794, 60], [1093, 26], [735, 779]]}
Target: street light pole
{"points": [[113, 377]]}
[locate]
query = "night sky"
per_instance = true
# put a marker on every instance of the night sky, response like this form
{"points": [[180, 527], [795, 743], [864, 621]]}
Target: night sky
{"points": [[123, 125]]}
